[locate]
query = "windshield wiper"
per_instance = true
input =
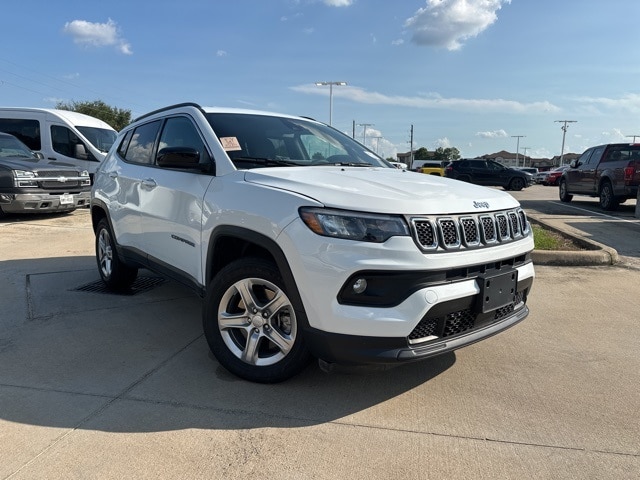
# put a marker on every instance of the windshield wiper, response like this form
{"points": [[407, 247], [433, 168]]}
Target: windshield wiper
{"points": [[351, 164], [265, 161]]}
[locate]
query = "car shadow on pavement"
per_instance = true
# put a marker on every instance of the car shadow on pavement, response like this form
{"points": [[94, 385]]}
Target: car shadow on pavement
{"points": [[73, 358]]}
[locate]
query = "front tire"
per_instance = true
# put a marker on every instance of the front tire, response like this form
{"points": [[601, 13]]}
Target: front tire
{"points": [[564, 194], [116, 275], [607, 200], [251, 324], [516, 184]]}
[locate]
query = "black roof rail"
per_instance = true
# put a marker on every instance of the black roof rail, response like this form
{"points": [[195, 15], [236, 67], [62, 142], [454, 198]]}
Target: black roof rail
{"points": [[170, 107]]}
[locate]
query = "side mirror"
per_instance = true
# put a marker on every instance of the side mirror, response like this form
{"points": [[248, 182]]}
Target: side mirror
{"points": [[180, 157], [80, 152]]}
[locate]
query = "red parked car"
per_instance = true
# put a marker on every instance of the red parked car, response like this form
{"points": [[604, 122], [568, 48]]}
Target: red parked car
{"points": [[553, 177]]}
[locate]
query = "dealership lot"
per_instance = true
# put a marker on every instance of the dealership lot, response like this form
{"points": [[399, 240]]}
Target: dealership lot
{"points": [[94, 385]]}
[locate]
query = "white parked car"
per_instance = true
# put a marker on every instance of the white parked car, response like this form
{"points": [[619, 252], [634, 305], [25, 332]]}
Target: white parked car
{"points": [[304, 243]]}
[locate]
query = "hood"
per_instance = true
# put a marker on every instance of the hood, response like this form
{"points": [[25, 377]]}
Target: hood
{"points": [[383, 190], [34, 164]]}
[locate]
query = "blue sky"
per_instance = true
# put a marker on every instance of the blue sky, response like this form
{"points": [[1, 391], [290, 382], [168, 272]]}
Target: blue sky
{"points": [[470, 74]]}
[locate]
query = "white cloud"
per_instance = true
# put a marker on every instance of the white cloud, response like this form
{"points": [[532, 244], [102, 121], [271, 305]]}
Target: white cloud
{"points": [[629, 102], [448, 23], [91, 34], [494, 134], [360, 95], [442, 142], [338, 3]]}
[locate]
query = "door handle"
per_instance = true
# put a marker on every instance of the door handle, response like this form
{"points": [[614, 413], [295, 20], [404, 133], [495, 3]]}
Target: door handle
{"points": [[149, 184]]}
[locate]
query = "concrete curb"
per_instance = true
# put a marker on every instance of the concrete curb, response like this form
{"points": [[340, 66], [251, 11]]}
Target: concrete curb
{"points": [[594, 253]]}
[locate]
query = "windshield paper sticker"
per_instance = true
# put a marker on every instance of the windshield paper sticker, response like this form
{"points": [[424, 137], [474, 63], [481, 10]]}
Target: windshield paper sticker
{"points": [[230, 144]]}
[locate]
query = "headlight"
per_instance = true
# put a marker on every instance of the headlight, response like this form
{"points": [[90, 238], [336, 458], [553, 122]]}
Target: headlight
{"points": [[365, 227], [84, 178], [24, 178]]}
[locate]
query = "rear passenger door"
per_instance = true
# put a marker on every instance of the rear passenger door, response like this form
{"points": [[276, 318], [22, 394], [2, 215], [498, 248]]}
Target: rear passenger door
{"points": [[171, 203]]}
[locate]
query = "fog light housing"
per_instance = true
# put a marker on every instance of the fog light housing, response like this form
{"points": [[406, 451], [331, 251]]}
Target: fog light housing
{"points": [[359, 286]]}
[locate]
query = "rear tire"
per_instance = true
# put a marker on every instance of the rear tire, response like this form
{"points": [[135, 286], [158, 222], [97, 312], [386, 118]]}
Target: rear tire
{"points": [[607, 200], [116, 275], [564, 195], [251, 324]]}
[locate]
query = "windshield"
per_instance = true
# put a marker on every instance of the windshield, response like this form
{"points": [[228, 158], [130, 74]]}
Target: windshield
{"points": [[101, 138], [12, 147], [261, 140]]}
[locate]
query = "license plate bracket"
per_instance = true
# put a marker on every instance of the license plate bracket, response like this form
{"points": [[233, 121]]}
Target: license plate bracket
{"points": [[497, 290]]}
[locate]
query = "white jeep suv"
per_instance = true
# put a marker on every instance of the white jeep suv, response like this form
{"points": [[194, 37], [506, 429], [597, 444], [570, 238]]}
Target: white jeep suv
{"points": [[304, 243]]}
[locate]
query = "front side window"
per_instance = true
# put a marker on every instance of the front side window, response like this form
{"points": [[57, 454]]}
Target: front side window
{"points": [[585, 158], [253, 141], [27, 131], [141, 145], [66, 143]]}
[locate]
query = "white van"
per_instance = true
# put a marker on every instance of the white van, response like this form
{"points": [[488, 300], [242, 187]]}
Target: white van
{"points": [[60, 135]]}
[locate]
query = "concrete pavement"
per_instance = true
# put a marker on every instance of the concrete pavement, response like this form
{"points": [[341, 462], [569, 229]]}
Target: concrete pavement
{"points": [[94, 385]]}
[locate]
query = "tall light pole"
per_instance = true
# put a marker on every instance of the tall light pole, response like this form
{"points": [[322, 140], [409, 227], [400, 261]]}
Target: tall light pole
{"points": [[331, 84], [517, 145], [364, 131], [564, 133]]}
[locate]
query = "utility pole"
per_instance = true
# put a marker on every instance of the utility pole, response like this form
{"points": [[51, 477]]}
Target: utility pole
{"points": [[517, 145], [411, 150], [364, 131], [564, 133], [377, 142], [524, 162]]}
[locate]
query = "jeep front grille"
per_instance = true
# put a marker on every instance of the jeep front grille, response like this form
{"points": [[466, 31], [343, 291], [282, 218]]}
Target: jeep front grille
{"points": [[469, 231], [458, 322]]}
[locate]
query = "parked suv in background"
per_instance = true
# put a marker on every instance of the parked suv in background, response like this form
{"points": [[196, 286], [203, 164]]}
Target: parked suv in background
{"points": [[305, 243], [610, 172], [489, 173], [30, 184]]}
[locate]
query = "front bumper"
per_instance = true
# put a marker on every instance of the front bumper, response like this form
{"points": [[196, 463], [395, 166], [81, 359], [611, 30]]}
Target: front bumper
{"points": [[457, 325], [43, 202]]}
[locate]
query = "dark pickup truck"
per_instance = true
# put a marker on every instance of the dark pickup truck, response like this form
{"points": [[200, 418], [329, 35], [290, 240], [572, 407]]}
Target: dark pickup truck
{"points": [[610, 172]]}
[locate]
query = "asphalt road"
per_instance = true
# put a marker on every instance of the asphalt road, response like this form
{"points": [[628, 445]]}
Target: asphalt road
{"points": [[619, 229], [94, 385]]}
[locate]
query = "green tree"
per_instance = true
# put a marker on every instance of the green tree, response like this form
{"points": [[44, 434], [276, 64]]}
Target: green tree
{"points": [[449, 153], [422, 154], [118, 118]]}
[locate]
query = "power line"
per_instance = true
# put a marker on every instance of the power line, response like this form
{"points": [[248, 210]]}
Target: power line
{"points": [[57, 88]]}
